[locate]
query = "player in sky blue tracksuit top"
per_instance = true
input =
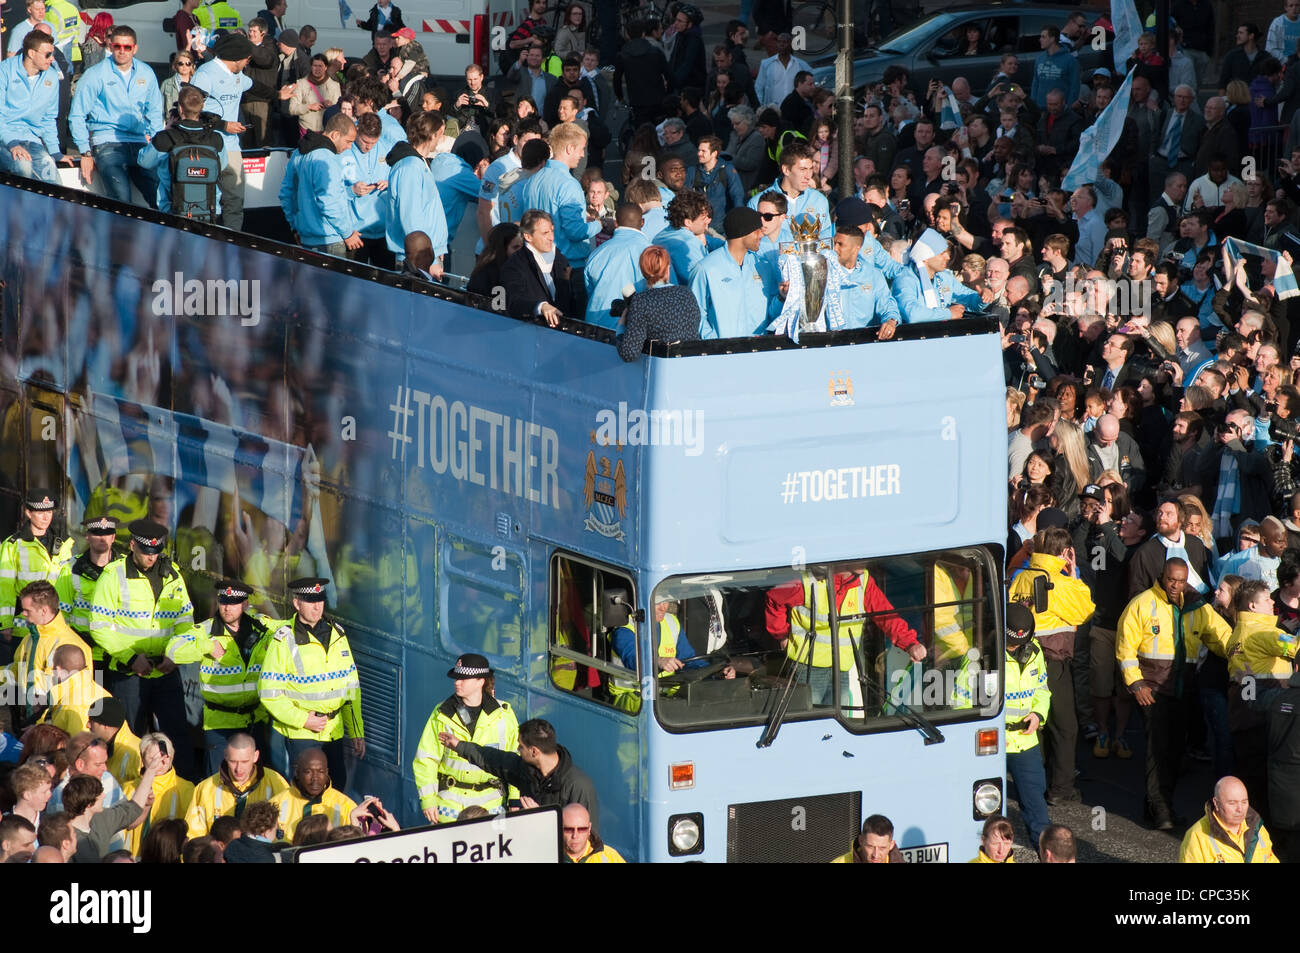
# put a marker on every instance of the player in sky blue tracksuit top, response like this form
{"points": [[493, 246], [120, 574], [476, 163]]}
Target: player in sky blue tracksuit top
{"points": [[29, 109]]}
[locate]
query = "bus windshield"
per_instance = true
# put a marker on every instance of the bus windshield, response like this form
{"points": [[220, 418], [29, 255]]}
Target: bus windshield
{"points": [[911, 632]]}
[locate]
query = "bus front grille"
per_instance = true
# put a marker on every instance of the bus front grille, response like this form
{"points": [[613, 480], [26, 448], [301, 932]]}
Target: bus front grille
{"points": [[794, 830]]}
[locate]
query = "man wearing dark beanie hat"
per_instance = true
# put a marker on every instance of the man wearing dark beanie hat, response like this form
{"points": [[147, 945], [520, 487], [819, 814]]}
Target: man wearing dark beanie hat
{"points": [[736, 288], [1027, 701], [223, 81]]}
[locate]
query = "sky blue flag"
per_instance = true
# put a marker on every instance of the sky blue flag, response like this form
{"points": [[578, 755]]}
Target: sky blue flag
{"points": [[345, 14], [1096, 142], [951, 115], [1124, 17], [1284, 282]]}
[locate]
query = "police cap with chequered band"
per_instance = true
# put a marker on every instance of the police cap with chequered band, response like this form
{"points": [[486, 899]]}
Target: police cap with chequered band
{"points": [[309, 589], [101, 526], [470, 666], [1020, 624], [148, 537], [231, 592], [40, 500]]}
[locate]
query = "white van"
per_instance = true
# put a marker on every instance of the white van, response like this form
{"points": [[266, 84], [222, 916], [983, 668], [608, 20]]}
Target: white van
{"points": [[454, 33]]}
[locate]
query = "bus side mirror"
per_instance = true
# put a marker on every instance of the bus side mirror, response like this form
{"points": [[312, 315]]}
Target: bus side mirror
{"points": [[1041, 585], [615, 609]]}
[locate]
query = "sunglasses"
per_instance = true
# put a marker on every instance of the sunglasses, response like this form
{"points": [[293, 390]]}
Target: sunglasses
{"points": [[124, 46], [768, 216], [577, 830]]}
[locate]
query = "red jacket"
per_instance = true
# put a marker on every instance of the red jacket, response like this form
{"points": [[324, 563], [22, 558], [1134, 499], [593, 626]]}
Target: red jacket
{"points": [[783, 598]]}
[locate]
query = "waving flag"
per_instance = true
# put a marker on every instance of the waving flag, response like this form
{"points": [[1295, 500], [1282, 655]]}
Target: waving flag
{"points": [[1284, 282], [1097, 141], [345, 14], [951, 115], [1124, 17]]}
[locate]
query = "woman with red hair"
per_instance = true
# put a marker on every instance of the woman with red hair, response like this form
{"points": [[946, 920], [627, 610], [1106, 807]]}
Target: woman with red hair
{"points": [[95, 45], [662, 312]]}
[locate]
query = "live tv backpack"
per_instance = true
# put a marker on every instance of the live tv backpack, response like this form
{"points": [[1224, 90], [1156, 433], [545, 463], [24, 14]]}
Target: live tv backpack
{"points": [[194, 160]]}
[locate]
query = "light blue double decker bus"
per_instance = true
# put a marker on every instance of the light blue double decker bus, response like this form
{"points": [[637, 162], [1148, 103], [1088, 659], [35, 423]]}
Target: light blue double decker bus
{"points": [[474, 483]]}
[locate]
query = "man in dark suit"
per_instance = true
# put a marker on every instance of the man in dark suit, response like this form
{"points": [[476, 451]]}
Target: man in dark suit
{"points": [[529, 78], [537, 277], [1173, 148], [1058, 136]]}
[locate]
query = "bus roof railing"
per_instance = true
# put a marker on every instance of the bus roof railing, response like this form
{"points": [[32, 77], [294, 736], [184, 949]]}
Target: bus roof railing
{"points": [[579, 328]]}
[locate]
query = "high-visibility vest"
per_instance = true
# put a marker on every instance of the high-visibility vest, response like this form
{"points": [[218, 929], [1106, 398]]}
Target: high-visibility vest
{"points": [[1026, 693], [1259, 649], [297, 680], [65, 19], [25, 560], [124, 755], [446, 781], [228, 682], [954, 625], [172, 795], [216, 796], [125, 618], [801, 624], [295, 806], [625, 694], [31, 668], [218, 16], [76, 588]]}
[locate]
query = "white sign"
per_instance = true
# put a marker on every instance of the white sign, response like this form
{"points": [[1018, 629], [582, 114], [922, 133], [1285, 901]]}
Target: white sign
{"points": [[926, 854], [528, 837]]}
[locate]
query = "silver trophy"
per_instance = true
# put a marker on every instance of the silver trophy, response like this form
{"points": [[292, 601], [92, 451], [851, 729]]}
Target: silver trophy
{"points": [[807, 250]]}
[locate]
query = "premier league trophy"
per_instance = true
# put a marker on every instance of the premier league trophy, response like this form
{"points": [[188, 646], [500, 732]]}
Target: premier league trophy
{"points": [[806, 264]]}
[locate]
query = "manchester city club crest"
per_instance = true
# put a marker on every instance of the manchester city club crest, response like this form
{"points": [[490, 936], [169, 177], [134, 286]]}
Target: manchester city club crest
{"points": [[841, 388], [605, 491]]}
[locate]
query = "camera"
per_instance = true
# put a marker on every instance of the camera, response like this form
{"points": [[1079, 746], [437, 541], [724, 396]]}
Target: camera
{"points": [[1017, 339], [1036, 382], [1282, 430]]}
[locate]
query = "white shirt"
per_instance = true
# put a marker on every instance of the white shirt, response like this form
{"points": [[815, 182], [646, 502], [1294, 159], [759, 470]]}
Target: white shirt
{"points": [[775, 82], [1211, 194]]}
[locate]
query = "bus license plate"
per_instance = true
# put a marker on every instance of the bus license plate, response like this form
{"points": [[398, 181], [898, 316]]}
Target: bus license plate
{"points": [[926, 854]]}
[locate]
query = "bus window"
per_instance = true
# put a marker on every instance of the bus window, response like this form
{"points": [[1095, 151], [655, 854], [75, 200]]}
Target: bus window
{"points": [[593, 641], [905, 632], [484, 606]]}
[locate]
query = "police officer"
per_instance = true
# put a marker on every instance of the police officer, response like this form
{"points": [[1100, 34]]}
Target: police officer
{"points": [[77, 578], [65, 20], [32, 553], [445, 782], [309, 684], [231, 647], [218, 16], [140, 603], [1028, 701]]}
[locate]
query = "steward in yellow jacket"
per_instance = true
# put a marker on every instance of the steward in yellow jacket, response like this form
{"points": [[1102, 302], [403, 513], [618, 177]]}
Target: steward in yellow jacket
{"points": [[1229, 833], [240, 781], [1160, 632], [109, 726], [172, 794], [311, 793], [27, 679], [75, 693]]}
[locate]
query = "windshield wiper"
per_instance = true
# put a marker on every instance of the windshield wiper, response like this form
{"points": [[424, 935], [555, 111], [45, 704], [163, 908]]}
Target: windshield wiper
{"points": [[782, 705], [913, 719]]}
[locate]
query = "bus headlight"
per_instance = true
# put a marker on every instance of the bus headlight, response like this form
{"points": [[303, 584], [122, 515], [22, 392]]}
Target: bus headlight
{"points": [[685, 834], [987, 797]]}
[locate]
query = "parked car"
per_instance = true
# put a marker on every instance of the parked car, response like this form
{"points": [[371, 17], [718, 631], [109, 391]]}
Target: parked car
{"points": [[931, 48]]}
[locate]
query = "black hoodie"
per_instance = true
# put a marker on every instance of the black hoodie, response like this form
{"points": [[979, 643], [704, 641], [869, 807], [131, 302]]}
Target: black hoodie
{"points": [[643, 67], [314, 142], [403, 150]]}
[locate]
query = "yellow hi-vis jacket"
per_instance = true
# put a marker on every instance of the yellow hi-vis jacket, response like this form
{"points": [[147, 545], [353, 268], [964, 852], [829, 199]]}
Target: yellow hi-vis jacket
{"points": [[29, 672], [25, 559], [294, 806], [219, 16], [227, 680], [1145, 640], [1069, 604], [1258, 648], [801, 623], [446, 781], [65, 20], [1026, 693], [300, 675], [172, 795], [127, 620], [1209, 842], [124, 755], [954, 625], [76, 588], [72, 700], [219, 796], [624, 692]]}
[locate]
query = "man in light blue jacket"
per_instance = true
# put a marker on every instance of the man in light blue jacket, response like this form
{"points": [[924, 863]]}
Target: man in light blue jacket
{"points": [[29, 110], [365, 173], [414, 204], [926, 290], [737, 292], [615, 267], [554, 190], [458, 186], [324, 219], [116, 108], [687, 237]]}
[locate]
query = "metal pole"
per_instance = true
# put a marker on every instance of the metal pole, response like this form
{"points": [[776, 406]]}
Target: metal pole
{"points": [[844, 96], [1162, 47]]}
